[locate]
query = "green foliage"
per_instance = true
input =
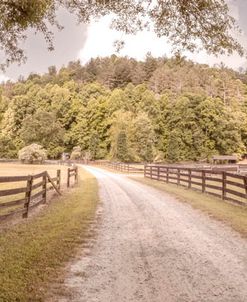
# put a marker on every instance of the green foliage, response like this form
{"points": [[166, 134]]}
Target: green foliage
{"points": [[42, 127], [76, 153], [143, 138], [7, 147], [178, 111], [121, 147], [33, 153]]}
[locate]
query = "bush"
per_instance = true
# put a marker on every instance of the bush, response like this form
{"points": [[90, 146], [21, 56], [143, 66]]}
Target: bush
{"points": [[31, 154], [76, 153]]}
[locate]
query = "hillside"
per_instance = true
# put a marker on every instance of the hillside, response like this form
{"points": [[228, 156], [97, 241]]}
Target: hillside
{"points": [[128, 110]]}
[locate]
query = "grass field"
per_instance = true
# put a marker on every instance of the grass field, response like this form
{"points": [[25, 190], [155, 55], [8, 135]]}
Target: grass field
{"points": [[233, 215], [8, 169], [33, 253]]}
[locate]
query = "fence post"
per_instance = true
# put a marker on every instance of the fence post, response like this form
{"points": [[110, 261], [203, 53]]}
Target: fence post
{"points": [[167, 174], [68, 178], [223, 185], [145, 171], [28, 195], [245, 185], [59, 179], [158, 173], [44, 187], [178, 176], [189, 178], [76, 174], [203, 181]]}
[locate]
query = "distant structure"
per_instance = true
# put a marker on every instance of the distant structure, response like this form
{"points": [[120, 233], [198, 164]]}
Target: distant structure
{"points": [[225, 159]]}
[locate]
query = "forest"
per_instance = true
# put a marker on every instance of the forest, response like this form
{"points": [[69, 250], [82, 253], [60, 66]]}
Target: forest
{"points": [[159, 109]]}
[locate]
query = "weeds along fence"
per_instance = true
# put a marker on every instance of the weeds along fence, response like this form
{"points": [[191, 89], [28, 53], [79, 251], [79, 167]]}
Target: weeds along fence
{"points": [[226, 185], [121, 167], [20, 194]]}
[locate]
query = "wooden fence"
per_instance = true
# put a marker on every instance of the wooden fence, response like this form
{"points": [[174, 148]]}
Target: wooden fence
{"points": [[121, 167], [23, 193], [226, 185], [72, 173]]}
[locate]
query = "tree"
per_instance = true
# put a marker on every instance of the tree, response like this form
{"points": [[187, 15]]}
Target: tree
{"points": [[43, 128], [121, 136], [33, 153], [180, 113], [186, 23], [7, 147], [93, 147], [121, 147], [143, 137], [76, 153]]}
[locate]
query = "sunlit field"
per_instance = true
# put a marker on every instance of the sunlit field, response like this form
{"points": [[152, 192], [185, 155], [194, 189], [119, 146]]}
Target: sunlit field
{"points": [[9, 169]]}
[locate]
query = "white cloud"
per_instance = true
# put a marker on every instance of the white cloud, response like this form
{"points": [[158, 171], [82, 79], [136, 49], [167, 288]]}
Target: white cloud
{"points": [[3, 78], [101, 38]]}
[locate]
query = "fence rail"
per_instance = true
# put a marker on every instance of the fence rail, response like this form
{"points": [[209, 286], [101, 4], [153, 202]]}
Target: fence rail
{"points": [[119, 166], [30, 191], [226, 185], [72, 173]]}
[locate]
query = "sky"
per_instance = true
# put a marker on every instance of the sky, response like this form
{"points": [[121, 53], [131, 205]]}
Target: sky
{"points": [[86, 41]]}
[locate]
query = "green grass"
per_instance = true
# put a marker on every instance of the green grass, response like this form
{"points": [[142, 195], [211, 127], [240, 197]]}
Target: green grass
{"points": [[33, 253], [233, 215]]}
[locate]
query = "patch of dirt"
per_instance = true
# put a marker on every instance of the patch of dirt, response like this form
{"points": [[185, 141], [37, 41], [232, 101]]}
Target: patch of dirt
{"points": [[150, 247]]}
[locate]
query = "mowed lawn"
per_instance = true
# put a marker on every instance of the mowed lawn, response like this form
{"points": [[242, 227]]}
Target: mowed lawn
{"points": [[9, 169]]}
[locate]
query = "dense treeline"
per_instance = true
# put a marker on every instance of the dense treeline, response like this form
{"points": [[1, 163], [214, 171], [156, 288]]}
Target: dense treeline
{"points": [[120, 108]]}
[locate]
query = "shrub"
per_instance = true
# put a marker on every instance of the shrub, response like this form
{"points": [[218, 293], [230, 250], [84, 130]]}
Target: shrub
{"points": [[76, 153], [33, 153]]}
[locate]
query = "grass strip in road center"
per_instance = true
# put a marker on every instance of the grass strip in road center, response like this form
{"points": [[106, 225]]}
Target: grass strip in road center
{"points": [[231, 214], [33, 252]]}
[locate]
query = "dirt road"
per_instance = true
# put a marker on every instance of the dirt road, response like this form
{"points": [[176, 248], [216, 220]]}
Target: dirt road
{"points": [[150, 247]]}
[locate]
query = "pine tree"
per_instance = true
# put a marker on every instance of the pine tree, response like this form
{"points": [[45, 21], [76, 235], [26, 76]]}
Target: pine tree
{"points": [[121, 147]]}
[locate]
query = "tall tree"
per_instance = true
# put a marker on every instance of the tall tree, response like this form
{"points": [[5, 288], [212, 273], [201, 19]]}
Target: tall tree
{"points": [[43, 128], [121, 147]]}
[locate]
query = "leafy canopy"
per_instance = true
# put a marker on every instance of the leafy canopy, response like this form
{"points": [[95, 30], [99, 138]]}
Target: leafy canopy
{"points": [[186, 23], [159, 110]]}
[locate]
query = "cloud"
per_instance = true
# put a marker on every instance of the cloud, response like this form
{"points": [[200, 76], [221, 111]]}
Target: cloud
{"points": [[67, 44], [84, 42], [100, 42], [101, 39], [4, 78]]}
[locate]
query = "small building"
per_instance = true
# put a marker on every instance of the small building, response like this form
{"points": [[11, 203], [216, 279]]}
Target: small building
{"points": [[225, 159]]}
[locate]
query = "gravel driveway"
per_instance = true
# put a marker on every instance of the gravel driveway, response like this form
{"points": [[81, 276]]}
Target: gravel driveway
{"points": [[150, 247]]}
